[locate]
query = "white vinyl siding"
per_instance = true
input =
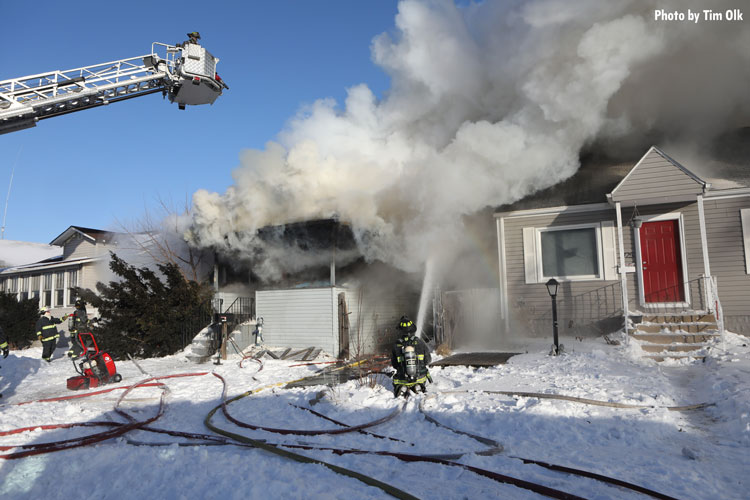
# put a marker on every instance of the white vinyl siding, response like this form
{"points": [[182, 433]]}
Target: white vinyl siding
{"points": [[299, 318], [609, 250]]}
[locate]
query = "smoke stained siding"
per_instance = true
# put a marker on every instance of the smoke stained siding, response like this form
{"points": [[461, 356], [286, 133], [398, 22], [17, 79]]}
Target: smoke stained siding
{"points": [[373, 319], [300, 318]]}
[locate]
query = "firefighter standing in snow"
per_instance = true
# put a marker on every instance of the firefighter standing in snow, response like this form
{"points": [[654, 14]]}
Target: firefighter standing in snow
{"points": [[47, 333], [4, 343], [79, 322], [410, 358]]}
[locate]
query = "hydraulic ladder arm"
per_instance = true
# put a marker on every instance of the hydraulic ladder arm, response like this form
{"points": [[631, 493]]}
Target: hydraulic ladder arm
{"points": [[187, 75]]}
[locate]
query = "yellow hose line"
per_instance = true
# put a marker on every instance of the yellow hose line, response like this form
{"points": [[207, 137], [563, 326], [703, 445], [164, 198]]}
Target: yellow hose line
{"points": [[574, 399]]}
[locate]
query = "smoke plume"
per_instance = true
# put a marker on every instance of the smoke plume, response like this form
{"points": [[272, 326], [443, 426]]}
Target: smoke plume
{"points": [[490, 101]]}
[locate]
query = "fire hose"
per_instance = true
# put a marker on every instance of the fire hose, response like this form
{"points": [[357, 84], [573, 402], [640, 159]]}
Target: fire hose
{"points": [[121, 429], [560, 468], [277, 449]]}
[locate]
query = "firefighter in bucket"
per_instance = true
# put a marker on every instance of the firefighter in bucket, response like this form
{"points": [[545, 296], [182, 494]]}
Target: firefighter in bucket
{"points": [[410, 358]]}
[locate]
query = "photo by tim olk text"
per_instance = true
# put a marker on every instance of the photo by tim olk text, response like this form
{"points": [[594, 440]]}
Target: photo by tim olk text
{"points": [[695, 16]]}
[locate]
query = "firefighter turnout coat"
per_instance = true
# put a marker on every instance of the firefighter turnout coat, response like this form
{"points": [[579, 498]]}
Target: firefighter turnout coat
{"points": [[398, 361], [48, 334]]}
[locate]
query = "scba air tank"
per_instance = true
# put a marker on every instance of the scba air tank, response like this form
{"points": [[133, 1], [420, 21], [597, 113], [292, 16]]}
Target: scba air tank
{"points": [[410, 358]]}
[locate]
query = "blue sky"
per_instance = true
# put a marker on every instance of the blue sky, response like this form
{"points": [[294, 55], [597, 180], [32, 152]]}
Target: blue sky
{"points": [[95, 167]]}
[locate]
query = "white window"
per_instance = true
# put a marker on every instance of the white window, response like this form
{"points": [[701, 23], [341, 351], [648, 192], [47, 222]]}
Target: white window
{"points": [[582, 252], [59, 288], [745, 218], [35, 285], [72, 283], [47, 292], [24, 288]]}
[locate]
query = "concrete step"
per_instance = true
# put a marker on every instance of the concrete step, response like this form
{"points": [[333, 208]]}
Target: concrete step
{"points": [[661, 357], [671, 348], [197, 358], [672, 338], [696, 317], [704, 328]]}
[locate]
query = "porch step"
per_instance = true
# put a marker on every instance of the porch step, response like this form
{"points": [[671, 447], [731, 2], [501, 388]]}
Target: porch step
{"points": [[672, 338], [671, 348], [675, 336], [697, 317], [674, 356], [701, 328]]}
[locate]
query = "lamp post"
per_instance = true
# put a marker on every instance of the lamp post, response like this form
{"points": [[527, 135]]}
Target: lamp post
{"points": [[552, 285]]}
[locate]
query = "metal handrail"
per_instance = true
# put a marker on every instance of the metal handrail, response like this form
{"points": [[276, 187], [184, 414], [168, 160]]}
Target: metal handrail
{"points": [[699, 294]]}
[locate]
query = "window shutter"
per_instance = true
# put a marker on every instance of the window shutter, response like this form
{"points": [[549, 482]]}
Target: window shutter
{"points": [[609, 251], [529, 254], [745, 216]]}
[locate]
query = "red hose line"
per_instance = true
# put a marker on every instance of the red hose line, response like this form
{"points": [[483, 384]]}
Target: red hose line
{"points": [[40, 448]]}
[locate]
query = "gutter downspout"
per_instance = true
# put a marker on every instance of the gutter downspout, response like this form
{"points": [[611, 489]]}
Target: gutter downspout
{"points": [[621, 269], [704, 248], [500, 223]]}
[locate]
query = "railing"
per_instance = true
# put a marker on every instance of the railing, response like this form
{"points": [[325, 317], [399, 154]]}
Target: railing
{"points": [[600, 308], [713, 295], [191, 327], [593, 310], [693, 295]]}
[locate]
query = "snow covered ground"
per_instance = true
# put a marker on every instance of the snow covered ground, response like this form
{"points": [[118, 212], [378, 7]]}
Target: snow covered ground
{"points": [[694, 454]]}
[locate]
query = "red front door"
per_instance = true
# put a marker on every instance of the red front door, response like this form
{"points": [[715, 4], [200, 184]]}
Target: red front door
{"points": [[662, 262]]}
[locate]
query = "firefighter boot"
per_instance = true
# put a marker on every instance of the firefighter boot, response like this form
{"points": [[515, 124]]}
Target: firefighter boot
{"points": [[399, 390]]}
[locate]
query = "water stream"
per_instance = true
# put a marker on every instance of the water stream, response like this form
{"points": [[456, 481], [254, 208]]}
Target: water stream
{"points": [[425, 296]]}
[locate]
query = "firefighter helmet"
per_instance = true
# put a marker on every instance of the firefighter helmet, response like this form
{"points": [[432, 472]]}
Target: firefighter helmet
{"points": [[43, 310], [406, 326], [80, 304]]}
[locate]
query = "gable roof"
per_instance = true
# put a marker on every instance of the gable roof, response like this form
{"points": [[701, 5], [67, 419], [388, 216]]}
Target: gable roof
{"points": [[657, 178], [93, 235]]}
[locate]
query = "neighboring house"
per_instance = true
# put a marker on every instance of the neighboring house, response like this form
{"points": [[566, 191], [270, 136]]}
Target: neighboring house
{"points": [[78, 263], [653, 240]]}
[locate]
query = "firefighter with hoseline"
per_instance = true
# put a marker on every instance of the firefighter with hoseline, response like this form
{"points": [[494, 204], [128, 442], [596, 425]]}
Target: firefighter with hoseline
{"points": [[78, 322], [47, 332], [410, 358]]}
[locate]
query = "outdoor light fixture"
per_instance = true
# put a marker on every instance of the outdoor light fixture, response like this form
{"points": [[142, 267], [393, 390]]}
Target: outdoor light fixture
{"points": [[552, 285]]}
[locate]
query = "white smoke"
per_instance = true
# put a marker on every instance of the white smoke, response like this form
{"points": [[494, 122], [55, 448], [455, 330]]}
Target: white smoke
{"points": [[489, 102]]}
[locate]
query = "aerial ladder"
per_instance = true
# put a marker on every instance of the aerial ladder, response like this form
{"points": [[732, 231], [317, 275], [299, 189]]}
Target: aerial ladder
{"points": [[185, 73]]}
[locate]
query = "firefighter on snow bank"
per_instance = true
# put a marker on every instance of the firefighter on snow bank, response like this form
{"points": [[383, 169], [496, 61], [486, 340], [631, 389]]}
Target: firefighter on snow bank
{"points": [[410, 358], [3, 343], [47, 332], [78, 322]]}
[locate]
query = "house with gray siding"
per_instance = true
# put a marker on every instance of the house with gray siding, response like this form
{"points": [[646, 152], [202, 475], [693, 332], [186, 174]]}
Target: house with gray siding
{"points": [[653, 241], [83, 254]]}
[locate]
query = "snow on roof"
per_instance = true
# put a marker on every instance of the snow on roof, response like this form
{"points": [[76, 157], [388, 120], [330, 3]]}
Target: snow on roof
{"points": [[18, 253]]}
